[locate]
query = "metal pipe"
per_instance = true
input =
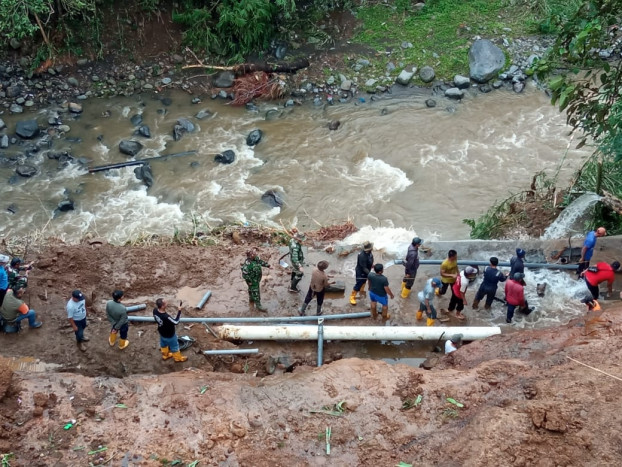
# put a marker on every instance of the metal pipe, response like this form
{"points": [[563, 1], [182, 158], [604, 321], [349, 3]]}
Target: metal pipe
{"points": [[132, 308], [204, 300], [320, 342], [266, 319], [360, 333], [230, 352], [463, 262]]}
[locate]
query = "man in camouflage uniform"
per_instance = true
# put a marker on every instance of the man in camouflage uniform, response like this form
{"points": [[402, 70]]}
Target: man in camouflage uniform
{"points": [[18, 274], [297, 257], [251, 273]]}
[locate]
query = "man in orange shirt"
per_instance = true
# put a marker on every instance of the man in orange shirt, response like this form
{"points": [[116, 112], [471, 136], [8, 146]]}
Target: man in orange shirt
{"points": [[602, 272], [14, 310]]}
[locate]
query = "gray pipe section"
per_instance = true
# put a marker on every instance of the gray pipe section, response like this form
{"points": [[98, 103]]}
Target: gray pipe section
{"points": [[320, 342], [230, 352], [267, 319], [132, 308], [504, 264], [204, 300]]}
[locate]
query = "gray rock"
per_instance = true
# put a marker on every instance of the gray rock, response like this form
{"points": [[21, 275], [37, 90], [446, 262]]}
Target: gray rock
{"points": [[144, 130], [95, 78], [224, 79], [346, 85], [226, 157], [289, 103], [136, 119], [27, 129], [254, 137], [317, 101], [518, 87], [272, 198], [513, 70], [272, 114], [52, 71], [201, 114], [73, 82], [145, 174], [29, 103], [454, 93], [177, 59], [14, 43], [405, 76], [166, 101], [407, 45], [533, 58], [147, 86], [485, 88], [166, 81], [363, 62], [26, 170], [222, 94], [334, 125], [130, 147], [330, 80], [427, 74], [24, 62], [13, 91], [183, 126], [485, 60], [82, 97], [462, 82], [75, 108], [370, 82], [497, 84], [196, 100], [64, 128], [2, 124], [390, 67], [20, 100], [430, 103], [66, 205], [419, 6], [82, 62], [4, 141]]}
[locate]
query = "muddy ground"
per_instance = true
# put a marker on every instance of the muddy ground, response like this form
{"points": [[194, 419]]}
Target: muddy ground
{"points": [[524, 401]]}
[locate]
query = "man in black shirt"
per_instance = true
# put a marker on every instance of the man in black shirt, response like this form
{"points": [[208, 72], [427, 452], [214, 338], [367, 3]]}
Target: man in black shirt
{"points": [[379, 292], [169, 345]]}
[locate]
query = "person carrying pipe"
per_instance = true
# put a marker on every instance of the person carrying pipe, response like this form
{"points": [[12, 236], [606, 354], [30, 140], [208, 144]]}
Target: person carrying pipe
{"points": [[515, 296], [601, 272], [117, 316], [298, 258], [317, 288], [411, 264], [251, 273], [458, 291], [517, 263], [588, 248], [364, 263], [379, 291], [488, 288], [169, 345], [426, 298], [449, 271]]}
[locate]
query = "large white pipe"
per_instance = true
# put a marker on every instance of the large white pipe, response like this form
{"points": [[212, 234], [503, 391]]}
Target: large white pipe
{"points": [[355, 333]]}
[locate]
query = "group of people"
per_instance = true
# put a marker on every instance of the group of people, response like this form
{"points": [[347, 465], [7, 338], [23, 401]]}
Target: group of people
{"points": [[13, 283]]}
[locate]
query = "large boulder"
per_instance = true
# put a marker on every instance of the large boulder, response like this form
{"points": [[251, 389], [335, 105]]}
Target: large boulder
{"points": [[254, 137], [427, 74], [485, 60], [272, 198], [405, 76], [225, 157], [183, 126], [130, 147], [26, 170], [27, 128], [224, 79], [143, 172]]}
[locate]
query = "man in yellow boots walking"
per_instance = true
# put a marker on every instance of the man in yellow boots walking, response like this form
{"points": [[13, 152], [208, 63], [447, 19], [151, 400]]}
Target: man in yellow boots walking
{"points": [[411, 264], [364, 263], [117, 315], [426, 298], [169, 345]]}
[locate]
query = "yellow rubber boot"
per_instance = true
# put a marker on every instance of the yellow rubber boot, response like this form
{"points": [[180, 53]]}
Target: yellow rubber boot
{"points": [[353, 298], [112, 338], [405, 291], [430, 322], [419, 315], [123, 343], [362, 291], [179, 357], [166, 354]]}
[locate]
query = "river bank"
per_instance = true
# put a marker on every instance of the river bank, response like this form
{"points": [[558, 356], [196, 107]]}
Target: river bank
{"points": [[261, 410]]}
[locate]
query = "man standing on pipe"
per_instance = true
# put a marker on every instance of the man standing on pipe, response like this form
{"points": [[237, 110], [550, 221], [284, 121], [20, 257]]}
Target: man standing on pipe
{"points": [[298, 258], [364, 263], [379, 291], [169, 345], [588, 248], [251, 273], [411, 264]]}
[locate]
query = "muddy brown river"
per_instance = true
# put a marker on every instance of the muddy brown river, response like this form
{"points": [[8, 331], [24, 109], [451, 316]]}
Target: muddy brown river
{"points": [[393, 165]]}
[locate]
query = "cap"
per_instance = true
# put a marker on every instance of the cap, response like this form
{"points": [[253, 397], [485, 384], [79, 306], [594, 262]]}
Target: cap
{"points": [[470, 270], [77, 294], [456, 338], [520, 252], [368, 246], [436, 281], [4, 259], [601, 231], [518, 276], [615, 265], [300, 236], [417, 241]]}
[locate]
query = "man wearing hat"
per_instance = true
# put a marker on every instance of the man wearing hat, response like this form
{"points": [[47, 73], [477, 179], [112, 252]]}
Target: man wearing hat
{"points": [[458, 291], [426, 298], [364, 263], [411, 264], [298, 258], [76, 313], [4, 278], [453, 343], [588, 248], [517, 263]]}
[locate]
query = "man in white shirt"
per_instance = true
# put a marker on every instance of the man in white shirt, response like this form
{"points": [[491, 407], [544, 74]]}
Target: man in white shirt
{"points": [[76, 313], [452, 344]]}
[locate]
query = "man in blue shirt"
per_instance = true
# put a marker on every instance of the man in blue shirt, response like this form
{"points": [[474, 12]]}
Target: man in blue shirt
{"points": [[4, 278], [588, 248]]}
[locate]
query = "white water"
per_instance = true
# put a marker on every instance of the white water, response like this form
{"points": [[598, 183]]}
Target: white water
{"points": [[569, 221]]}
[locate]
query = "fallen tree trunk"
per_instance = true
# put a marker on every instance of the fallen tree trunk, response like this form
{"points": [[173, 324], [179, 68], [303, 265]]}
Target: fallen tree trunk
{"points": [[267, 67], [612, 202], [101, 168]]}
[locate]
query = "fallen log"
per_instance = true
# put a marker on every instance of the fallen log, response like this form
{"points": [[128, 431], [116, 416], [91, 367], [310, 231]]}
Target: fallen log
{"points": [[101, 168], [612, 202], [267, 67]]}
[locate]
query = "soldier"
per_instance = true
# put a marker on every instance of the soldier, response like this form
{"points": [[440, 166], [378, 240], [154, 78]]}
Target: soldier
{"points": [[18, 274], [251, 273], [297, 257]]}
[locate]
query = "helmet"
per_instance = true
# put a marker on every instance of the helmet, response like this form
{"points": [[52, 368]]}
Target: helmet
{"points": [[16, 262], [417, 241]]}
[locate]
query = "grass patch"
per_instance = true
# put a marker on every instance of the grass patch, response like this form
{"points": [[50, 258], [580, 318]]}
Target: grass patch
{"points": [[442, 31]]}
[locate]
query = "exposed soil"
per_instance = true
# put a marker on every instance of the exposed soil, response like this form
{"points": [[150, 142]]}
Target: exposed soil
{"points": [[524, 402]]}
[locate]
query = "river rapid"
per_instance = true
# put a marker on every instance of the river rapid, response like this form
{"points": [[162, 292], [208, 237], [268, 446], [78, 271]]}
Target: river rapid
{"points": [[393, 167]]}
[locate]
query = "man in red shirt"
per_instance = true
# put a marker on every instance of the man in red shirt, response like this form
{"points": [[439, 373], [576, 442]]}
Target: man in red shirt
{"points": [[515, 296], [602, 272]]}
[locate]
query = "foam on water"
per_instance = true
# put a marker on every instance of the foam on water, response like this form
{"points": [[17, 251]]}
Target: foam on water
{"points": [[391, 241]]}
